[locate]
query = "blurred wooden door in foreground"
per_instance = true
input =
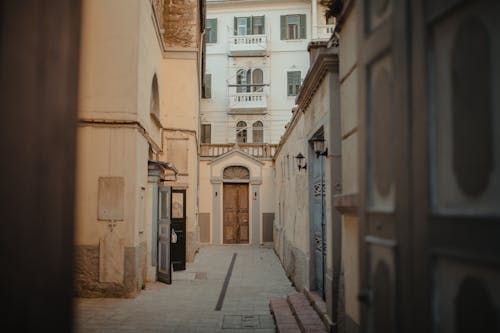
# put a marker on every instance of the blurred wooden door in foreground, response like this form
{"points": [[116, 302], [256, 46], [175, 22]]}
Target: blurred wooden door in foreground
{"points": [[39, 49], [430, 114]]}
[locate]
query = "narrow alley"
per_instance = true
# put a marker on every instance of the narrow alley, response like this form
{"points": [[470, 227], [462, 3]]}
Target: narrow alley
{"points": [[188, 305]]}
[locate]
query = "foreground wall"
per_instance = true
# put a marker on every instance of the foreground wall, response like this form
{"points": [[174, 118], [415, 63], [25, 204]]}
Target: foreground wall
{"points": [[120, 55], [347, 201]]}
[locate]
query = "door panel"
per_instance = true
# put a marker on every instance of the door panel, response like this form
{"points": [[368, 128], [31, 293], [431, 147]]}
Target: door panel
{"points": [[430, 175], [384, 89], [236, 221], [464, 175], [163, 267], [318, 237], [178, 211]]}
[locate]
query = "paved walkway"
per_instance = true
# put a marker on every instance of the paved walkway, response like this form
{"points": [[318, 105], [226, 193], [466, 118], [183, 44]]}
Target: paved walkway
{"points": [[188, 305]]}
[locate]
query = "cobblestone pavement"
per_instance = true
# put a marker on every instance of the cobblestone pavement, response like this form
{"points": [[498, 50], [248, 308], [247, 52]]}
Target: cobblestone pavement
{"points": [[188, 304]]}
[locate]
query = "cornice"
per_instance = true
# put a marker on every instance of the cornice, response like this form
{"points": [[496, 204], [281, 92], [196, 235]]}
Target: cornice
{"points": [[326, 60], [229, 3], [347, 7]]}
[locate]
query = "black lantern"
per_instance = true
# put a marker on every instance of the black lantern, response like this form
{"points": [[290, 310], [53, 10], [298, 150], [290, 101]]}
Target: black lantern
{"points": [[301, 163], [319, 146]]}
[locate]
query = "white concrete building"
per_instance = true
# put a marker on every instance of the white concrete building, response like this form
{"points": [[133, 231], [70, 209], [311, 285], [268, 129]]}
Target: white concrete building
{"points": [[256, 60]]}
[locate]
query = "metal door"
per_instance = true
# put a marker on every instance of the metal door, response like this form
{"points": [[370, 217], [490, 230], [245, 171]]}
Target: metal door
{"points": [[317, 225], [163, 267], [178, 234], [236, 214]]}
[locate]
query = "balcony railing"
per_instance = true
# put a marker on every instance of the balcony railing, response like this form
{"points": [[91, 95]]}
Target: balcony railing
{"points": [[256, 101], [258, 150], [248, 45], [323, 31]]}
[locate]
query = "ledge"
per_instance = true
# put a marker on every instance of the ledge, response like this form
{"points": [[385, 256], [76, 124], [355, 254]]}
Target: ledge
{"points": [[346, 203]]}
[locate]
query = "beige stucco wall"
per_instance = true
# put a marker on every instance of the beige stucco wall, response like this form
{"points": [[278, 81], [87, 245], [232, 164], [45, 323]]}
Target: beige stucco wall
{"points": [[108, 60], [181, 102], [292, 221], [120, 54], [350, 264], [105, 152], [348, 53]]}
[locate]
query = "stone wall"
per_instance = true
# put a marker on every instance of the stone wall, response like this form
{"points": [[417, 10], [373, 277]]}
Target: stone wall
{"points": [[86, 273], [296, 265], [180, 23]]}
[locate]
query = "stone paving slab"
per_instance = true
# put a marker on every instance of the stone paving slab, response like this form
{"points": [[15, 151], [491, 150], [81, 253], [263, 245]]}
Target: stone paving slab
{"points": [[187, 305]]}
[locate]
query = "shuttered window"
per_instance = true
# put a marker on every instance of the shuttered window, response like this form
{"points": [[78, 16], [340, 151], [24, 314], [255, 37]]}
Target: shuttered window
{"points": [[206, 133], [258, 132], [207, 86], [211, 31], [293, 83], [293, 27], [251, 25]]}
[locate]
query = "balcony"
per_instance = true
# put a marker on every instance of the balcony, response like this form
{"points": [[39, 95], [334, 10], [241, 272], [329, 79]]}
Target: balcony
{"points": [[323, 32], [248, 102], [258, 150], [248, 45]]}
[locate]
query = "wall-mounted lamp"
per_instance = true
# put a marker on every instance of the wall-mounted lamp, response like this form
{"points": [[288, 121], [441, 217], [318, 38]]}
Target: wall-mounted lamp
{"points": [[319, 146], [301, 163]]}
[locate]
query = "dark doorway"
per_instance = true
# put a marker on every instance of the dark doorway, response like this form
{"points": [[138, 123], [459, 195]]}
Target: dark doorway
{"points": [[178, 234]]}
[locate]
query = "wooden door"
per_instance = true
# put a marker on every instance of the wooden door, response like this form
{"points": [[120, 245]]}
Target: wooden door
{"points": [[163, 267], [456, 187], [236, 227], [384, 161], [178, 234], [430, 181]]}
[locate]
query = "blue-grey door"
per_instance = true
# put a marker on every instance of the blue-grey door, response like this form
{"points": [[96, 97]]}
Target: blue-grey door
{"points": [[164, 268], [317, 241]]}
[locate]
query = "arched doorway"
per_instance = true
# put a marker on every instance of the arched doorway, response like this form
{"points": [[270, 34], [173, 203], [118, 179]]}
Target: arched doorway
{"points": [[235, 205]]}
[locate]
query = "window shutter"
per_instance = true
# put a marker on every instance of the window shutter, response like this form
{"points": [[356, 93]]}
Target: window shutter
{"points": [[208, 86], [214, 30], [249, 26], [302, 33], [283, 27], [263, 24], [235, 26], [206, 133]]}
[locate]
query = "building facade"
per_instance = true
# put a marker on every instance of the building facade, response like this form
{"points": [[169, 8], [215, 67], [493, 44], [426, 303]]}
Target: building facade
{"points": [[137, 142], [256, 61]]}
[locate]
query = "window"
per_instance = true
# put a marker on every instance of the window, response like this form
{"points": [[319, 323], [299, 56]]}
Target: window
{"points": [[293, 83], [206, 133], [249, 80], [257, 80], [154, 102], [211, 31], [258, 132], [293, 26], [241, 132], [242, 26], [207, 86], [258, 25], [243, 79], [252, 25]]}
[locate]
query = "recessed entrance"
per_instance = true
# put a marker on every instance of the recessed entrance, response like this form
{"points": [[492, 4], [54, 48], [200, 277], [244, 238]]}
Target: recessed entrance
{"points": [[235, 214]]}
